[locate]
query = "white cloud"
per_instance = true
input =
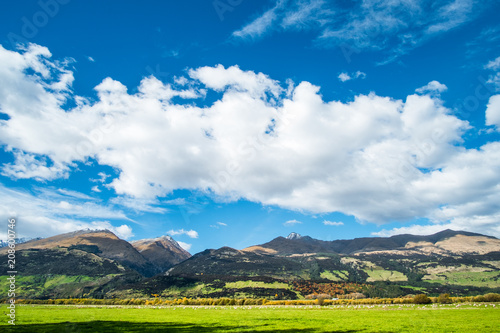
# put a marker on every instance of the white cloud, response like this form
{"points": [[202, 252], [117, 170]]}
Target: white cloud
{"points": [[432, 87], [486, 225], [149, 205], [191, 233], [287, 15], [185, 246], [29, 165], [102, 178], [96, 189], [493, 112], [48, 212], [360, 74], [397, 26], [218, 225], [220, 78], [90, 59], [377, 158], [346, 77], [74, 194], [176, 202], [494, 79], [336, 224], [493, 64], [67, 205], [414, 230], [451, 14], [259, 26], [123, 231], [291, 223]]}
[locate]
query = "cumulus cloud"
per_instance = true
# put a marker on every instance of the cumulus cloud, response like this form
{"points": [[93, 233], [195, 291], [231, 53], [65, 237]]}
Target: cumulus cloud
{"points": [[395, 25], [493, 112], [233, 78], [432, 87], [191, 233], [336, 224], [376, 158], [291, 223]]}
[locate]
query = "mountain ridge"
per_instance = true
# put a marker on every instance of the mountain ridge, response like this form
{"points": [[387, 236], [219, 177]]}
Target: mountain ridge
{"points": [[306, 244], [106, 244]]}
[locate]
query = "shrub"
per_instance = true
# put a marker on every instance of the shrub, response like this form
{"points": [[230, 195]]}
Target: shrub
{"points": [[320, 301], [492, 297], [421, 299], [444, 299], [479, 298]]}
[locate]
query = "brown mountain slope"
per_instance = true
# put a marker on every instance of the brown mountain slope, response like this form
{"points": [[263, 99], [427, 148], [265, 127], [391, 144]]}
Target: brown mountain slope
{"points": [[104, 243], [164, 252]]}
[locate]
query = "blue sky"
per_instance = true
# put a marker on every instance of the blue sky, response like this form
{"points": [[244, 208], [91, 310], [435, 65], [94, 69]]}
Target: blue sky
{"points": [[232, 122]]}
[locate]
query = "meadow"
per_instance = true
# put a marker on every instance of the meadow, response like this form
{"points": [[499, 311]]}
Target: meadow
{"points": [[473, 317]]}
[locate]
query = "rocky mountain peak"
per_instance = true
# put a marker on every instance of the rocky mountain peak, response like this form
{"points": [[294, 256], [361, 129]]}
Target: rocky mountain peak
{"points": [[294, 235], [163, 252]]}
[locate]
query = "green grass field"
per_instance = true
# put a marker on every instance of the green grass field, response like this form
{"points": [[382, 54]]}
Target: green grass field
{"points": [[388, 318], [477, 279], [385, 275]]}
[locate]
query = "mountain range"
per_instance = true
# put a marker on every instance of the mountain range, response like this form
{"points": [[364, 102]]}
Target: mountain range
{"points": [[90, 263]]}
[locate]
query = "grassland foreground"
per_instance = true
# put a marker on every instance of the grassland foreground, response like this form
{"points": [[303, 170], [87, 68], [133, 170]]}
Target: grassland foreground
{"points": [[470, 317]]}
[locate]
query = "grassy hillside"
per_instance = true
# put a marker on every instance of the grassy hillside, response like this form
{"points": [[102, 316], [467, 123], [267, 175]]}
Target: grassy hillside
{"points": [[65, 261]]}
